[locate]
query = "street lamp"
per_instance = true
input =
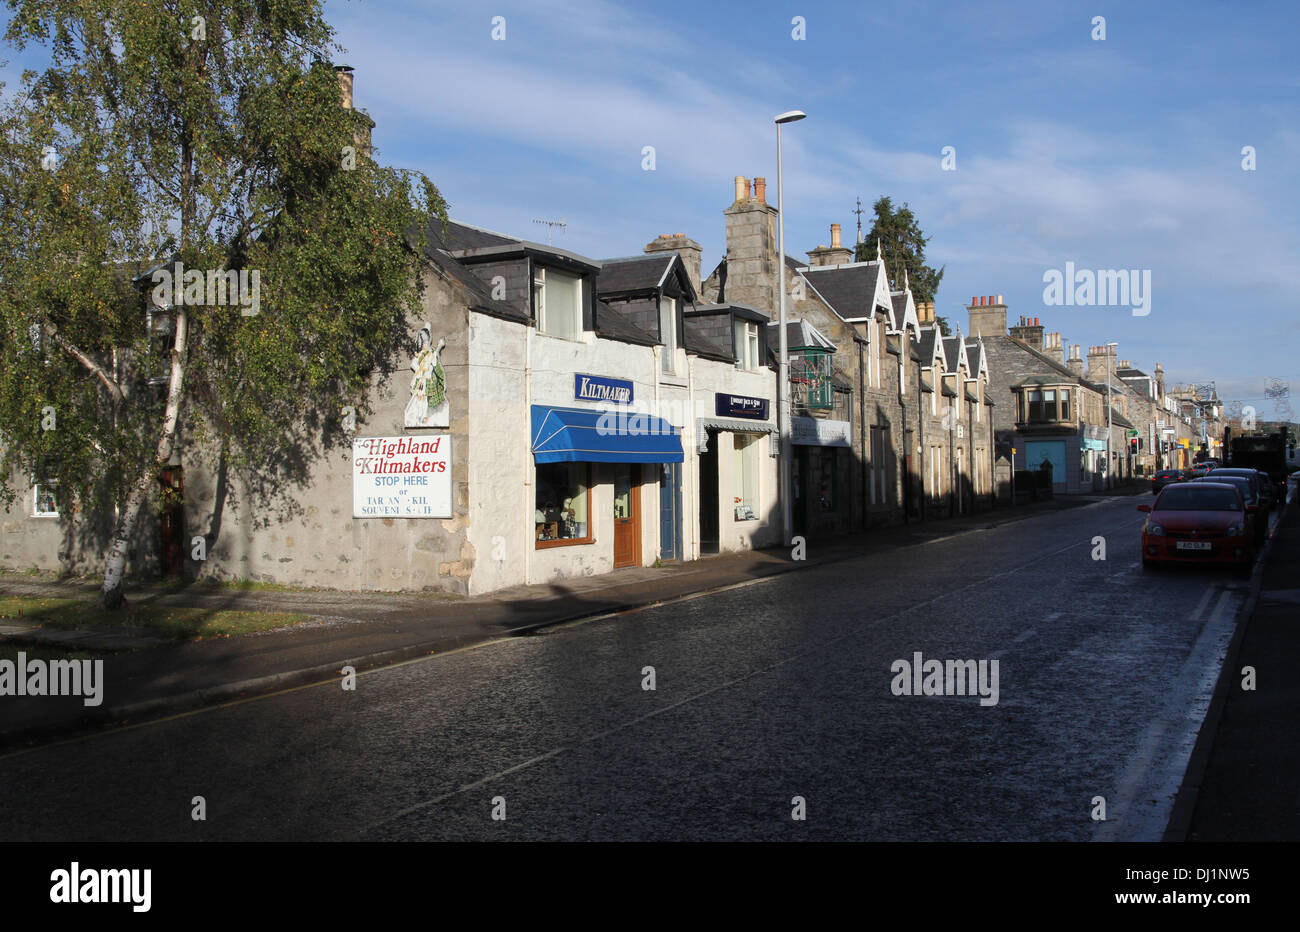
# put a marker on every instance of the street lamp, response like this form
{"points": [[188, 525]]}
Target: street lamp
{"points": [[1110, 469], [783, 372]]}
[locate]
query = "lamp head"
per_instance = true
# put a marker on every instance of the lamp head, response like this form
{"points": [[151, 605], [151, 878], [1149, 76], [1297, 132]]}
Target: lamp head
{"points": [[790, 116]]}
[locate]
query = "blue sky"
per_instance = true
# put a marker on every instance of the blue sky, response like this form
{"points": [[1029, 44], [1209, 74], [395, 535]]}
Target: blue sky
{"points": [[1117, 154]]}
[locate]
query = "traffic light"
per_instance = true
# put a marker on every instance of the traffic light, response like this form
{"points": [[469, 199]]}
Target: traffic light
{"points": [[1133, 446]]}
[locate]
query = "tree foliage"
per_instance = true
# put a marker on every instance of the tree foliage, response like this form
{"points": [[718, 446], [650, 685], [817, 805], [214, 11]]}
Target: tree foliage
{"points": [[903, 242], [210, 134]]}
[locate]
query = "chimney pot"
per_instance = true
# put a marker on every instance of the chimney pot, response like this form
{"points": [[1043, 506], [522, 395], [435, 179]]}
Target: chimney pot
{"points": [[999, 299], [742, 188], [972, 302], [835, 236], [760, 190], [981, 300]]}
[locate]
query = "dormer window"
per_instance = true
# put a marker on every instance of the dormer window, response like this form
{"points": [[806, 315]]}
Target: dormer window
{"points": [[746, 344], [557, 301], [668, 334]]}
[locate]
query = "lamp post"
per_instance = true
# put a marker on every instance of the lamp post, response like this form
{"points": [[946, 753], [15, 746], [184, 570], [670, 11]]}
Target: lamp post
{"points": [[783, 371], [1110, 468]]}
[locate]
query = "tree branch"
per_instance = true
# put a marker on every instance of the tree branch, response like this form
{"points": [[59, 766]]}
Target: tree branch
{"points": [[114, 390]]}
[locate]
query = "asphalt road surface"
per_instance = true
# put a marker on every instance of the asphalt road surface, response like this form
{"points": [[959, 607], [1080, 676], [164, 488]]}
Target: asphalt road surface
{"points": [[762, 693]]}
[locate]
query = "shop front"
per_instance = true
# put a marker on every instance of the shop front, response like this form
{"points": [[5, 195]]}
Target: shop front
{"points": [[820, 475], [590, 469]]}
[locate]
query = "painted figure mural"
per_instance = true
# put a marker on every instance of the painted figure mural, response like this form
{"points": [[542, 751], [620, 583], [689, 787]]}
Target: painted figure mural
{"points": [[428, 405]]}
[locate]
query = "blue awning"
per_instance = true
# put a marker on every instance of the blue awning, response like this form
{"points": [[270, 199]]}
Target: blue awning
{"points": [[577, 435]]}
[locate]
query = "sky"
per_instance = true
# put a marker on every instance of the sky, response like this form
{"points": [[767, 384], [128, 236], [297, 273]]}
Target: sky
{"points": [[1115, 153]]}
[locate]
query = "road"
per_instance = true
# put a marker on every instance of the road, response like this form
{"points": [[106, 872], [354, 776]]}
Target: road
{"points": [[763, 693]]}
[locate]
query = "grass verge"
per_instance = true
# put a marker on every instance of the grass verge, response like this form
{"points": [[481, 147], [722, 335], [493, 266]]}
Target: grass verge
{"points": [[179, 623]]}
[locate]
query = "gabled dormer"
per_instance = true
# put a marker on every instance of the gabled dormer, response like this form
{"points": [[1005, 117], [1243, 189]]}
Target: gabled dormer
{"points": [[653, 291]]}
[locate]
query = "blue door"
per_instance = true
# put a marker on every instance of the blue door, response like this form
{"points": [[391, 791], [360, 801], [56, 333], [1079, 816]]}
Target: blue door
{"points": [[670, 511]]}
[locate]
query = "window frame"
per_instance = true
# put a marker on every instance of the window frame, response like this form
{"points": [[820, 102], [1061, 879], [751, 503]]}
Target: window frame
{"points": [[51, 486], [539, 544], [542, 318], [668, 335]]}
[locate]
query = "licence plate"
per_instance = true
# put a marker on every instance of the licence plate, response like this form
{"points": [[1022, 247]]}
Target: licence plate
{"points": [[1193, 545]]}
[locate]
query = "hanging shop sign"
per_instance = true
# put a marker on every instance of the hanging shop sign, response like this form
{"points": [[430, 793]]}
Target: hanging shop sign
{"points": [[816, 432], [598, 388], [725, 405], [401, 477]]}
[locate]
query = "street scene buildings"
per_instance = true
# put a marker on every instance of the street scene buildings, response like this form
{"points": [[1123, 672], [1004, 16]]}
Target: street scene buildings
{"points": [[567, 415]]}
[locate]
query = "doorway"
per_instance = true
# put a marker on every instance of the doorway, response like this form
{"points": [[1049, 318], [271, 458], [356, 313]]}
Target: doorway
{"points": [[627, 516], [710, 539], [670, 511], [171, 522]]}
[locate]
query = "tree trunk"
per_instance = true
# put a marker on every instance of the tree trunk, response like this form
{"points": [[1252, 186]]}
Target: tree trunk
{"points": [[111, 592]]}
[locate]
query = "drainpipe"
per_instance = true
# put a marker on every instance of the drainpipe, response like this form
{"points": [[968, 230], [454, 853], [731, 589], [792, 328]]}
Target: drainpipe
{"points": [[862, 433], [530, 467], [920, 438]]}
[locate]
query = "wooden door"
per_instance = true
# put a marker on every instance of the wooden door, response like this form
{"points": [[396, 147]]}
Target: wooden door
{"points": [[627, 516], [171, 522]]}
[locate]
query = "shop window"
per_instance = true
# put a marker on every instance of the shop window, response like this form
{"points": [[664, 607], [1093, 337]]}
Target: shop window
{"points": [[826, 494], [45, 499], [563, 504], [746, 487], [557, 297]]}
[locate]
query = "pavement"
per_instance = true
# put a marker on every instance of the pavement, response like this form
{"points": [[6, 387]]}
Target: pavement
{"points": [[152, 678], [1243, 783]]}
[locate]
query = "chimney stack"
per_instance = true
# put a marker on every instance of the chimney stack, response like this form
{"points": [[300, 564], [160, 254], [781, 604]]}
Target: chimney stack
{"points": [[1075, 362], [751, 253], [834, 254], [987, 319], [345, 84], [684, 246], [1030, 333]]}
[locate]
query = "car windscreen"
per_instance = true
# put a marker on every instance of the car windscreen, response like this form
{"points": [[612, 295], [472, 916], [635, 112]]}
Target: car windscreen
{"points": [[1241, 482], [1190, 498]]}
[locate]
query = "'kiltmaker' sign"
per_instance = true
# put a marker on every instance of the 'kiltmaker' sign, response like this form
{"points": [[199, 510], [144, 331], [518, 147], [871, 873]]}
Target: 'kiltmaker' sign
{"points": [[401, 477], [725, 405], [598, 388]]}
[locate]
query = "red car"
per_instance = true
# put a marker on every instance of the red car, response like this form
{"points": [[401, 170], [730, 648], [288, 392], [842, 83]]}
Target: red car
{"points": [[1198, 522]]}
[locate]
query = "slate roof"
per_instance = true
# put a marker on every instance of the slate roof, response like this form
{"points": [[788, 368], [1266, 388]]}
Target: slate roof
{"points": [[633, 273], [849, 291], [952, 351], [613, 325], [482, 296], [701, 345], [925, 345], [973, 357], [464, 236], [798, 334]]}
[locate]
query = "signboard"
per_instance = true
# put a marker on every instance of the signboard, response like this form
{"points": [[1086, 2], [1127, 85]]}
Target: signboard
{"points": [[599, 388], [401, 477], [815, 432], [725, 405]]}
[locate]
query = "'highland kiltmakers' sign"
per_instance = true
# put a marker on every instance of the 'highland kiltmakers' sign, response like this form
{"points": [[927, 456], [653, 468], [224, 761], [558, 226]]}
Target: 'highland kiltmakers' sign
{"points": [[599, 388], [401, 477]]}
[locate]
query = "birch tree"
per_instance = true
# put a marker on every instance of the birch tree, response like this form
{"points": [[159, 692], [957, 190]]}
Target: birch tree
{"points": [[168, 153]]}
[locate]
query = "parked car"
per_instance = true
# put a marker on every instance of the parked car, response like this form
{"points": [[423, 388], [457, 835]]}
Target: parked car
{"points": [[1263, 485], [1248, 486], [1198, 522], [1163, 478]]}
